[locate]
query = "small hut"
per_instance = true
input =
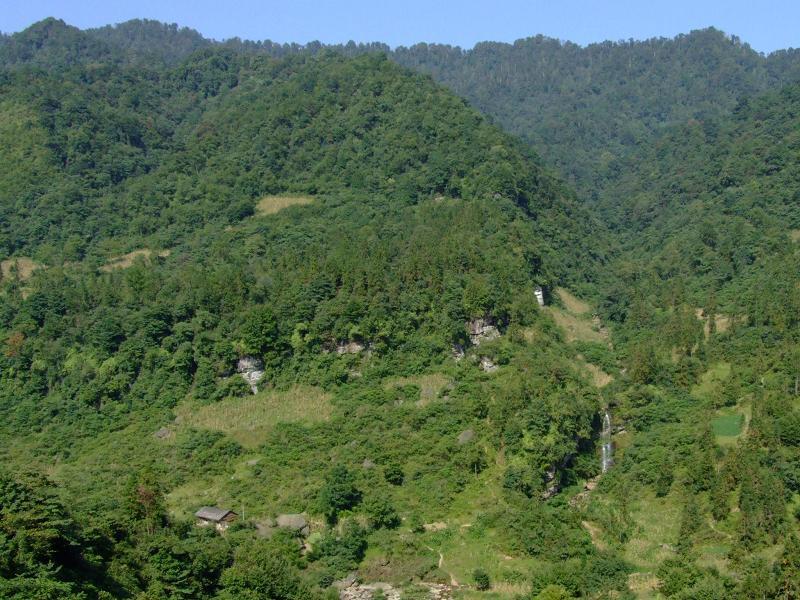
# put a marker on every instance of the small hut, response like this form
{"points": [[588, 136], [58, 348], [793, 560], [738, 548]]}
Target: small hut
{"points": [[221, 518]]}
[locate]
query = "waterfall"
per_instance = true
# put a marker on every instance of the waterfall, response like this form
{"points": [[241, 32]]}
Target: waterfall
{"points": [[607, 458]]}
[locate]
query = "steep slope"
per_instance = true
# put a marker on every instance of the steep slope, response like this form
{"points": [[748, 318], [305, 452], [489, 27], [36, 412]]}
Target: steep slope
{"points": [[369, 245], [706, 308]]}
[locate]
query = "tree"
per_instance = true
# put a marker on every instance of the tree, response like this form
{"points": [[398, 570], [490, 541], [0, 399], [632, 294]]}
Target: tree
{"points": [[338, 493], [789, 569], [381, 511], [260, 572], [145, 501], [690, 522], [553, 592], [393, 473]]}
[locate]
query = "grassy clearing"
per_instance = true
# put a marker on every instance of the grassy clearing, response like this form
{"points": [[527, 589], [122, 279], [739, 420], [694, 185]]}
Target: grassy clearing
{"points": [[430, 386], [721, 322], [599, 377], [576, 321], [578, 328], [711, 380], [795, 235], [269, 205], [728, 425], [571, 303], [644, 585], [656, 522], [21, 265], [126, 260], [249, 419]]}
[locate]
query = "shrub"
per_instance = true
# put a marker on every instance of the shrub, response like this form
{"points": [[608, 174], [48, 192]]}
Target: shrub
{"points": [[482, 580]]}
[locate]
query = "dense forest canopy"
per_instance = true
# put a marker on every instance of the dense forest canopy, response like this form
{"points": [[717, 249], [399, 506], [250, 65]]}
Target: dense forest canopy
{"points": [[303, 283]]}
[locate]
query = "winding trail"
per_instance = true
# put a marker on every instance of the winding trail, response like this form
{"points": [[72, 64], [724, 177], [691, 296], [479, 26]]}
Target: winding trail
{"points": [[453, 580]]}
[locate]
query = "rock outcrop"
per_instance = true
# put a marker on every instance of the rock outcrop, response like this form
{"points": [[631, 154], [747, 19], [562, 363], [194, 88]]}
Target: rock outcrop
{"points": [[487, 364], [252, 371], [349, 347], [482, 330], [465, 437]]}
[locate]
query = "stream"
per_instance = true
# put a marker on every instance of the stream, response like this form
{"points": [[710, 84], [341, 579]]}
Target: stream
{"points": [[607, 450]]}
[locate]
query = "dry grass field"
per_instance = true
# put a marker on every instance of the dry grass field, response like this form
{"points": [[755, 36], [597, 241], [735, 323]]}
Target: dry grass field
{"points": [[249, 419], [430, 385], [23, 265], [574, 305], [126, 260], [269, 205]]}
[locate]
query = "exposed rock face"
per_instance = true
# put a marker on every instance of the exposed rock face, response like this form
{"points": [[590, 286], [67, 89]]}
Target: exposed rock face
{"points": [[551, 487], [252, 371], [360, 591], [487, 364], [465, 437], [349, 347], [482, 330], [539, 293], [294, 522], [458, 352], [350, 589]]}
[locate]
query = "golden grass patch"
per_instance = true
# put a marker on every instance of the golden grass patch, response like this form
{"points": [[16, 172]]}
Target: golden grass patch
{"points": [[249, 419], [721, 322], [126, 260], [599, 377], [21, 265], [595, 533], [269, 205], [577, 328], [572, 303], [656, 522], [644, 585], [795, 235], [430, 386]]}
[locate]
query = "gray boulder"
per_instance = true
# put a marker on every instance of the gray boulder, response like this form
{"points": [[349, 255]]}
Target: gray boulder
{"points": [[465, 437], [294, 522]]}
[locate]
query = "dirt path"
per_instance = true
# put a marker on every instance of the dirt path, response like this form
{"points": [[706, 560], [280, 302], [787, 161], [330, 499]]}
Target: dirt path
{"points": [[453, 580], [594, 533], [717, 531]]}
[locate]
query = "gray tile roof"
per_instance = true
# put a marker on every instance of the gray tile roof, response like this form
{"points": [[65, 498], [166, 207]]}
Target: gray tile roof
{"points": [[212, 513]]}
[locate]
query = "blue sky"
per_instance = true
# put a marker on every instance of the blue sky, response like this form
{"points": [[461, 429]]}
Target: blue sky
{"points": [[766, 25]]}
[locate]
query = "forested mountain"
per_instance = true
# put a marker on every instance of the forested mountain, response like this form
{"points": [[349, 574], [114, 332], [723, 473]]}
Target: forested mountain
{"points": [[358, 233], [583, 108], [366, 250], [587, 107]]}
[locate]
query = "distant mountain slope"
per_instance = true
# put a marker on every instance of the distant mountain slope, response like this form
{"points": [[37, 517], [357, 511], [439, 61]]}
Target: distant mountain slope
{"points": [[585, 107], [165, 151], [714, 203]]}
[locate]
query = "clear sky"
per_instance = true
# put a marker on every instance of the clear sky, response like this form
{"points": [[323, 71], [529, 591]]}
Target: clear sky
{"points": [[766, 25]]}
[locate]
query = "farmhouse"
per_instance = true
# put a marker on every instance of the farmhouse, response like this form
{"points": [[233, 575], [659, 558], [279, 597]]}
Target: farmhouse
{"points": [[220, 518]]}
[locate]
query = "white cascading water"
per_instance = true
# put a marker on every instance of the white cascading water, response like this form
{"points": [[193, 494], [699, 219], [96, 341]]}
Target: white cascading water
{"points": [[607, 457]]}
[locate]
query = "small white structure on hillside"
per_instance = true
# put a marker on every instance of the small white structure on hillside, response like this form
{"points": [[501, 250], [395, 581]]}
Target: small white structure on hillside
{"points": [[539, 293]]}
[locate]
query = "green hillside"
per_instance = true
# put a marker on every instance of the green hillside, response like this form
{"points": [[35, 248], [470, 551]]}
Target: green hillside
{"points": [[341, 220], [300, 283]]}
